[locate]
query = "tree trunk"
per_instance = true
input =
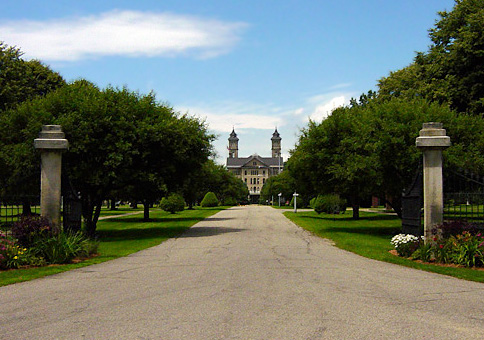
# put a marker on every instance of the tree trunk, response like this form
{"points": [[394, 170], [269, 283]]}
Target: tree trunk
{"points": [[91, 209], [355, 204], [146, 214], [113, 204], [27, 208], [356, 211]]}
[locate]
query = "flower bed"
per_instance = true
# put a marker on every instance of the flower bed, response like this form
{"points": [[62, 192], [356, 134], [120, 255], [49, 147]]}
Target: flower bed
{"points": [[455, 243], [35, 244]]}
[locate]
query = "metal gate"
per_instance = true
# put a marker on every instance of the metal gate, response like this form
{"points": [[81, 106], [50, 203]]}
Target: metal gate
{"points": [[71, 206], [412, 206]]}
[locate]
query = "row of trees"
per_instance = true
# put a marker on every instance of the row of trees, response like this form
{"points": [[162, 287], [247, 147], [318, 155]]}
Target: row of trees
{"points": [[368, 148], [123, 144]]}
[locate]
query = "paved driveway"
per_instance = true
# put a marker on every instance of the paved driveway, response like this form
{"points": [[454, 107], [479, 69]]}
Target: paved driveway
{"points": [[245, 273]]}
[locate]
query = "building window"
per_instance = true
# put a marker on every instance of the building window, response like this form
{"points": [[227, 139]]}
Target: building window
{"points": [[246, 172], [257, 181], [264, 172], [254, 163], [245, 180], [263, 181]]}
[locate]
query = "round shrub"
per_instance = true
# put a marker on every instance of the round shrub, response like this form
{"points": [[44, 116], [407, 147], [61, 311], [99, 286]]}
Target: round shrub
{"points": [[172, 203], [210, 200]]}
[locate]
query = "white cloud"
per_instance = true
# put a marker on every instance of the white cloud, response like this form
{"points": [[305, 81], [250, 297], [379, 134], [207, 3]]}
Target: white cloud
{"points": [[324, 109], [224, 117], [126, 33]]}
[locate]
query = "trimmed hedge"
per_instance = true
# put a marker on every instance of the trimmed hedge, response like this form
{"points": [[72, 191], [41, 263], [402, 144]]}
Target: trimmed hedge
{"points": [[210, 200], [172, 203], [330, 204]]}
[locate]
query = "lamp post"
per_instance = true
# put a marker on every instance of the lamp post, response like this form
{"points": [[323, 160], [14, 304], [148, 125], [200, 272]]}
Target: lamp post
{"points": [[279, 194], [295, 195]]}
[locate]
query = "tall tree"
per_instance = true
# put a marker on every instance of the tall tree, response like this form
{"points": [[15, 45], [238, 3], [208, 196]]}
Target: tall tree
{"points": [[22, 80], [451, 70], [117, 138]]}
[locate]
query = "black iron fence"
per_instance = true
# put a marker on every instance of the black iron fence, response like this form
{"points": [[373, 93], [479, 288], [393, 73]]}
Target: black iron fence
{"points": [[463, 200], [13, 208], [463, 197]]}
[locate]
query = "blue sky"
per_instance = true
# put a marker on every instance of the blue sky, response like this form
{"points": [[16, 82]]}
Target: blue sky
{"points": [[252, 65]]}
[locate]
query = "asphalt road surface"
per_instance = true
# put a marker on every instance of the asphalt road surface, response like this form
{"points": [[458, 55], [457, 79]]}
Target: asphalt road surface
{"points": [[244, 273]]}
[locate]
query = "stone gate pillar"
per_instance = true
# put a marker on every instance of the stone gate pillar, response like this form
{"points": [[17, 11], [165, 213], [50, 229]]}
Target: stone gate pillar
{"points": [[432, 141], [51, 143]]}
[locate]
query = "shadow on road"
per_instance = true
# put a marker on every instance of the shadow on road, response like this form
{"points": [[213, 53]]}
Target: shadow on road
{"points": [[210, 231]]}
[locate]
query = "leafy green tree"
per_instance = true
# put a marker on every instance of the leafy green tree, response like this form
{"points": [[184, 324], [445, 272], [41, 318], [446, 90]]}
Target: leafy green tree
{"points": [[282, 184], [118, 139], [22, 80], [215, 178], [451, 70], [366, 150]]}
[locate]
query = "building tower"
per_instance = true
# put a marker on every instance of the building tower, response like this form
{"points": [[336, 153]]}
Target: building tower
{"points": [[276, 144], [233, 145]]}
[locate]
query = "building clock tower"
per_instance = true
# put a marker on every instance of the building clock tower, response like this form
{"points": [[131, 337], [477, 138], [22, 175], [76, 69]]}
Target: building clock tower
{"points": [[233, 145], [276, 144]]}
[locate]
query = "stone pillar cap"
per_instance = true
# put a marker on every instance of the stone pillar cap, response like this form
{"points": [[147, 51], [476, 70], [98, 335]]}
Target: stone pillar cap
{"points": [[51, 137], [433, 136]]}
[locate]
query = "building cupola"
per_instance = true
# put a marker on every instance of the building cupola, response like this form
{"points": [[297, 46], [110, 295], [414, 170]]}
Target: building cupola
{"points": [[276, 144], [233, 145]]}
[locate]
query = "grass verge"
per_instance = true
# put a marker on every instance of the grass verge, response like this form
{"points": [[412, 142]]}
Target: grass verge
{"points": [[119, 237], [370, 237]]}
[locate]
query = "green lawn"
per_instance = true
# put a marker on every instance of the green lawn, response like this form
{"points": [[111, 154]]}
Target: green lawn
{"points": [[370, 237], [122, 236]]}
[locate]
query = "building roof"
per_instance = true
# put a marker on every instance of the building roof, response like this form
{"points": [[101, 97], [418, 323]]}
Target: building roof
{"points": [[268, 161], [233, 135], [276, 135]]}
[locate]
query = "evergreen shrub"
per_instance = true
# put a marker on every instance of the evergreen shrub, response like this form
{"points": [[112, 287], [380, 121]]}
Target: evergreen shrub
{"points": [[210, 200]]}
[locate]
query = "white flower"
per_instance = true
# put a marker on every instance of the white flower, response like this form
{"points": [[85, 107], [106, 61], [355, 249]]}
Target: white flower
{"points": [[400, 239]]}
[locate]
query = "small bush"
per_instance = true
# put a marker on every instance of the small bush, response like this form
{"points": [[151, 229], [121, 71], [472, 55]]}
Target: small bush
{"points": [[448, 229], [64, 247], [210, 200], [173, 203], [30, 228], [330, 204]]}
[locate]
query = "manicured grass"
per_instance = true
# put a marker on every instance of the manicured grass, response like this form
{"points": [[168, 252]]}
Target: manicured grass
{"points": [[122, 236], [370, 237], [119, 211]]}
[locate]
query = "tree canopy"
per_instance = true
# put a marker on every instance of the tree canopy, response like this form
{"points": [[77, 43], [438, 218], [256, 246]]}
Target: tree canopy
{"points": [[22, 80], [451, 70], [369, 149], [118, 139]]}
